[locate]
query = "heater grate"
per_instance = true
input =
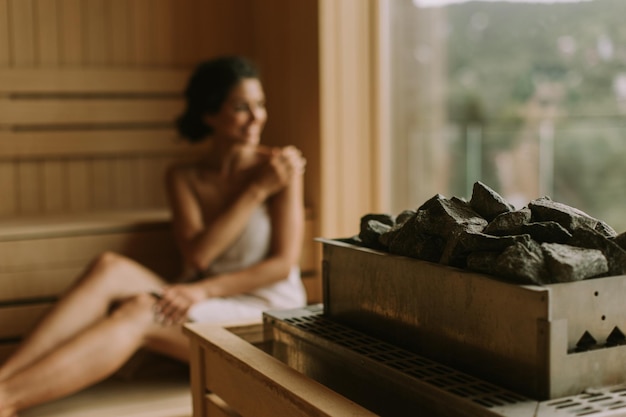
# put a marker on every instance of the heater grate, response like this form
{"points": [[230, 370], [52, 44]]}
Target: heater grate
{"points": [[450, 384]]}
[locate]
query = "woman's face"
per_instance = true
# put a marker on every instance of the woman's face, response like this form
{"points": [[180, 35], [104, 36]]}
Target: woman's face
{"points": [[242, 116]]}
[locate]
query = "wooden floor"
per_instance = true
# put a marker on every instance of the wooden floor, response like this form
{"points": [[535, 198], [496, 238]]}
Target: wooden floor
{"points": [[162, 391]]}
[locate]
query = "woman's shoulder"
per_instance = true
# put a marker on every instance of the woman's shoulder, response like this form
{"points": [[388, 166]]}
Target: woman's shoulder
{"points": [[188, 172]]}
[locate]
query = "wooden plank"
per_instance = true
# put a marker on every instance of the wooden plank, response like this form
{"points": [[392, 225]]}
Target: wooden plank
{"points": [[78, 185], [164, 395], [153, 193], [79, 111], [233, 366], [16, 321], [47, 32], [216, 407], [5, 49], [52, 281], [163, 35], [71, 36], [124, 183], [65, 225], [101, 185], [120, 32], [29, 192], [142, 32], [22, 32], [186, 34], [97, 43], [45, 267], [36, 144], [8, 188], [53, 186], [94, 80]]}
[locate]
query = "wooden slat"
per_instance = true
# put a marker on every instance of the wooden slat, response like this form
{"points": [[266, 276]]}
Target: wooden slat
{"points": [[8, 185], [5, 50], [16, 321], [91, 142], [41, 283], [120, 32], [75, 111], [29, 197], [163, 35], [23, 32], [45, 267], [96, 81], [125, 195], [54, 189], [71, 26], [142, 31], [102, 194], [97, 17], [47, 32], [78, 181], [40, 227]]}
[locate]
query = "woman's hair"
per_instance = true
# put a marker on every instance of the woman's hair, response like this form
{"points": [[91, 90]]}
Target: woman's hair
{"points": [[207, 90]]}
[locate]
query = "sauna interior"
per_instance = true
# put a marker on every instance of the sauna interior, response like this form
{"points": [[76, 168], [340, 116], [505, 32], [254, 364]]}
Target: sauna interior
{"points": [[89, 90]]}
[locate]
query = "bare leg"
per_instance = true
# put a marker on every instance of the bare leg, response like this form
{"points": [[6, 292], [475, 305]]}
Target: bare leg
{"points": [[110, 278], [89, 357]]}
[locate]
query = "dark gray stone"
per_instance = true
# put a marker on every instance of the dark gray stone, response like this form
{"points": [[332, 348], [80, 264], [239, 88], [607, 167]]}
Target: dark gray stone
{"points": [[488, 203], [620, 240], [370, 233], [404, 216], [543, 243], [464, 243], [509, 223], [567, 263], [548, 232], [409, 241], [443, 217], [544, 209], [523, 264], [592, 239], [379, 217]]}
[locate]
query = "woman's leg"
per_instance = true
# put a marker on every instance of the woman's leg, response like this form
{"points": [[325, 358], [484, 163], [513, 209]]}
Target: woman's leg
{"points": [[90, 356], [108, 279]]}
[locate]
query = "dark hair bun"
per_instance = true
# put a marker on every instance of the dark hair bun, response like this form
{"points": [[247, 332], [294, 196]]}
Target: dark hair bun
{"points": [[208, 88]]}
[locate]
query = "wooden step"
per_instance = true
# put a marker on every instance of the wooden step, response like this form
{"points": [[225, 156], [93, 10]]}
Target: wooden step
{"points": [[163, 391]]}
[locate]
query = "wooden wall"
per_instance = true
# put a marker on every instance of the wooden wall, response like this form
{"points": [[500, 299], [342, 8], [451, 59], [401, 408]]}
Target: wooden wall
{"points": [[88, 93], [89, 90]]}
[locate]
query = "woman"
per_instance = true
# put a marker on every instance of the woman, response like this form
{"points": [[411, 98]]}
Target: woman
{"points": [[238, 221]]}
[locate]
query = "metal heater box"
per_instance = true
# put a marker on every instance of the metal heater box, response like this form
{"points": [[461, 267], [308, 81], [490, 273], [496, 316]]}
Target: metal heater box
{"points": [[541, 341]]}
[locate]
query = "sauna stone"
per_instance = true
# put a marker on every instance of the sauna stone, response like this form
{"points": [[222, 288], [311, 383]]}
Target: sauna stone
{"points": [[509, 223], [547, 232], [567, 263], [592, 239], [543, 243], [544, 209], [487, 202]]}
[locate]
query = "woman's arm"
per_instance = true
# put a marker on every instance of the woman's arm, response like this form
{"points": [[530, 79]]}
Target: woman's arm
{"points": [[201, 242], [287, 216]]}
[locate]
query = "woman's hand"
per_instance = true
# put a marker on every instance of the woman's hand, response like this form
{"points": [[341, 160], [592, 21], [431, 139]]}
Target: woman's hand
{"points": [[174, 302], [281, 166]]}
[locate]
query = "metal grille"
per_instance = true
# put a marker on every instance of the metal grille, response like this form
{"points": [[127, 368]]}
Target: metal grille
{"points": [[610, 401]]}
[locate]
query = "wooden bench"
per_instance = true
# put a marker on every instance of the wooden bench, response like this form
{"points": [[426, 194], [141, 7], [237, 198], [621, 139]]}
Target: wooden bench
{"points": [[40, 257]]}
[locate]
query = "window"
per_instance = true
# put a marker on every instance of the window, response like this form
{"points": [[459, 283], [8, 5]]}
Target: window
{"points": [[527, 96]]}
